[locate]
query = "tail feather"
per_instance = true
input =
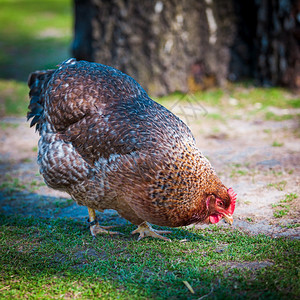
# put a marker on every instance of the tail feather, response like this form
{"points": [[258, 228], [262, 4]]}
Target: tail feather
{"points": [[36, 82]]}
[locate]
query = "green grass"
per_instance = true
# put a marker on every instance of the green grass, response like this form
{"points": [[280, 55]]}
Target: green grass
{"points": [[212, 97], [241, 170], [289, 197], [280, 186], [274, 96], [245, 97], [45, 259], [279, 213], [11, 185], [14, 98], [277, 144], [291, 225], [283, 208], [5, 125], [271, 116], [235, 173], [215, 116], [34, 35]]}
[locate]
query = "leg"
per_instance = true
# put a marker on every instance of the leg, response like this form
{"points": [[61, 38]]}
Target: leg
{"points": [[95, 227], [145, 229]]}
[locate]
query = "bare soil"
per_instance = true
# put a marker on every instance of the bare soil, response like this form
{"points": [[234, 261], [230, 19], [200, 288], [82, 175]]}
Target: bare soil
{"points": [[260, 159]]}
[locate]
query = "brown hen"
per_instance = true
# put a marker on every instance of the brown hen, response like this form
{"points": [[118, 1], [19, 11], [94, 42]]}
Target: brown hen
{"points": [[110, 146]]}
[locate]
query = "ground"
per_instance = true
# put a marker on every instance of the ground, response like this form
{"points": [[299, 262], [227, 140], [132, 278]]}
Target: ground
{"points": [[250, 135], [257, 152]]}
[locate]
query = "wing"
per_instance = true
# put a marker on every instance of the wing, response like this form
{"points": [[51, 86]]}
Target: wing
{"points": [[104, 112]]}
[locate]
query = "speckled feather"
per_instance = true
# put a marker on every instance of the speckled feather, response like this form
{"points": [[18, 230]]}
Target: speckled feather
{"points": [[107, 144]]}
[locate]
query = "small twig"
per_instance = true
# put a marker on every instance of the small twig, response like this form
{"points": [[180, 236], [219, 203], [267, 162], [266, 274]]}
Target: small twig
{"points": [[184, 241], [204, 296], [188, 286]]}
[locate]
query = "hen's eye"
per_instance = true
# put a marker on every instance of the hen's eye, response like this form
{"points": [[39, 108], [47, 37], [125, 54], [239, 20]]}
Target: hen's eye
{"points": [[221, 203]]}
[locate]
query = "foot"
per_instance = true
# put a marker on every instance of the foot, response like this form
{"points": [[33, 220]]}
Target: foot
{"points": [[145, 229], [96, 228]]}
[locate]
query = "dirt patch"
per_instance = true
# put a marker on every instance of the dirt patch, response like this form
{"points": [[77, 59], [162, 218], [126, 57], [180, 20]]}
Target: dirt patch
{"points": [[258, 158], [252, 265]]}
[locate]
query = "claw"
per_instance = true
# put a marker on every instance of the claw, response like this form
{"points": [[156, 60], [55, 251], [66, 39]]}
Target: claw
{"points": [[108, 227], [145, 229], [95, 229]]}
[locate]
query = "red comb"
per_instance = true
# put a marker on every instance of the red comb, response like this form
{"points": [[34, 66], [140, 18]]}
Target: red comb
{"points": [[232, 194]]}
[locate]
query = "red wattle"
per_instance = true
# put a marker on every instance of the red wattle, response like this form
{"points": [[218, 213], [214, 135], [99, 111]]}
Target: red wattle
{"points": [[215, 218]]}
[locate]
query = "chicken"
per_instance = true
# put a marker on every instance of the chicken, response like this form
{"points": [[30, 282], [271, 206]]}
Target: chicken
{"points": [[107, 144]]}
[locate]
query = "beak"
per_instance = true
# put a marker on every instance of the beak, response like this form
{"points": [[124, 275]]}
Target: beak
{"points": [[228, 218]]}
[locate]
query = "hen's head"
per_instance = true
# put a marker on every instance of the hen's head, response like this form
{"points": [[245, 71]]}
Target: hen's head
{"points": [[219, 207]]}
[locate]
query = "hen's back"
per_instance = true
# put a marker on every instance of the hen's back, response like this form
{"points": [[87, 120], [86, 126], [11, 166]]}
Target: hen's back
{"points": [[102, 111]]}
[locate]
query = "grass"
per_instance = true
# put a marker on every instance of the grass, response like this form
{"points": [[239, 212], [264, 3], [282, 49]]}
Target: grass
{"points": [[280, 186], [292, 225], [271, 116], [11, 185], [215, 116], [44, 258], [289, 197], [241, 170], [279, 213], [34, 35], [5, 125], [246, 97], [283, 208], [274, 96], [14, 98], [235, 173], [277, 144]]}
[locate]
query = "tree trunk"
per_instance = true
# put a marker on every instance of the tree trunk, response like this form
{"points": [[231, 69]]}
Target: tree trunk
{"points": [[165, 45], [278, 42], [174, 45]]}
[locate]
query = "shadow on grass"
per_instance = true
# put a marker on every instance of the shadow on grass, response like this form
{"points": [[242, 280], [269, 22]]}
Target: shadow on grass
{"points": [[49, 255], [57, 257], [30, 204]]}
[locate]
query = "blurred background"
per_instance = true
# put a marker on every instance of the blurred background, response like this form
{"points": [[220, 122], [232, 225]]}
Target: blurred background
{"points": [[33, 35], [167, 46], [192, 45]]}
